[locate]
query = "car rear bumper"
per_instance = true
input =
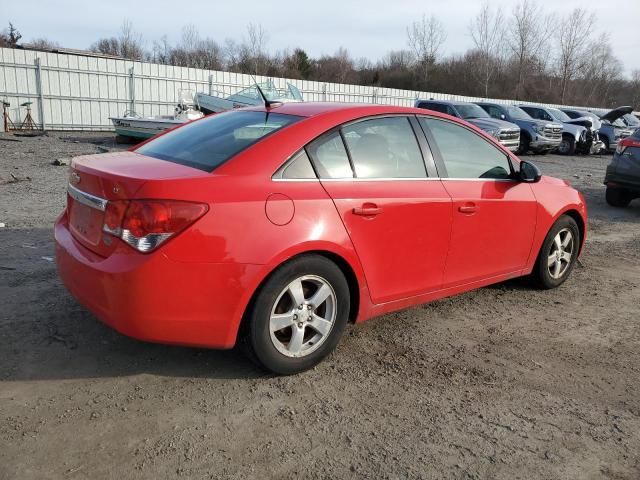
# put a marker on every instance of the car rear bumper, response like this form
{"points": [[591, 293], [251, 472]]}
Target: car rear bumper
{"points": [[153, 298], [625, 181]]}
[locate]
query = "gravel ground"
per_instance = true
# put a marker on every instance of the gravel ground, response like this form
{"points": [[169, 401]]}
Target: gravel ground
{"points": [[505, 382]]}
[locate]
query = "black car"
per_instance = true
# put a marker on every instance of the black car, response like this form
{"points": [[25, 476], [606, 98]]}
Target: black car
{"points": [[623, 173]]}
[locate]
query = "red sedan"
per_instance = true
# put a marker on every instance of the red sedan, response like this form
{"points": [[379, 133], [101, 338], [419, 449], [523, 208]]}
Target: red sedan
{"points": [[277, 226]]}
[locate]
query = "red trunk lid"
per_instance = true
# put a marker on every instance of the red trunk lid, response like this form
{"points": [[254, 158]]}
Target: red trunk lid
{"points": [[96, 179]]}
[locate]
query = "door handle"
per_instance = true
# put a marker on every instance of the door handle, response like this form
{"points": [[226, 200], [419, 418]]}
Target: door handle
{"points": [[367, 209], [468, 208]]}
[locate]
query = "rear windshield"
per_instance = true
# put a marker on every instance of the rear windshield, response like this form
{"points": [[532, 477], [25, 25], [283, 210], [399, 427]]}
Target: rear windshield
{"points": [[207, 143]]}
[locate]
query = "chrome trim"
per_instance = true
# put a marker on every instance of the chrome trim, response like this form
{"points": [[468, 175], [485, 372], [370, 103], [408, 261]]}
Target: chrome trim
{"points": [[295, 180], [87, 199], [428, 179]]}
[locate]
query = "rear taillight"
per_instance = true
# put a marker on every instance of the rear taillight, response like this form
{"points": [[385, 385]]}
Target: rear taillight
{"points": [[145, 224], [626, 143]]}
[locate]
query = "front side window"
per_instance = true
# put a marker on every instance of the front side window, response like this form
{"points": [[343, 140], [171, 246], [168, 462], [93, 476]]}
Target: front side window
{"points": [[384, 148], [537, 113], [466, 154], [330, 157], [207, 143]]}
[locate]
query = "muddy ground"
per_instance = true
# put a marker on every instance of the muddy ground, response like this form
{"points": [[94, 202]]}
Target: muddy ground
{"points": [[506, 382]]}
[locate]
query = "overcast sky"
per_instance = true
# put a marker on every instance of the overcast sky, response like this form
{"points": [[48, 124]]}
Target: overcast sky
{"points": [[366, 28]]}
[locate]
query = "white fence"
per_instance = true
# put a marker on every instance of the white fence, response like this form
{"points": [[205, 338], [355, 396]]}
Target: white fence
{"points": [[78, 92]]}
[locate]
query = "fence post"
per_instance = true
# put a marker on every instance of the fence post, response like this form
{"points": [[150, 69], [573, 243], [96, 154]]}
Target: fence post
{"points": [[40, 93], [324, 92], [132, 92], [210, 84], [374, 95]]}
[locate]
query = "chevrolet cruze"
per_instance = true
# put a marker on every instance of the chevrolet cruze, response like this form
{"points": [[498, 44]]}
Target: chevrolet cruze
{"points": [[276, 226]]}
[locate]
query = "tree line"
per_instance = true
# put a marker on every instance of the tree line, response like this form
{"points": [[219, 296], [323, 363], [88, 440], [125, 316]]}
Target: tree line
{"points": [[526, 53]]}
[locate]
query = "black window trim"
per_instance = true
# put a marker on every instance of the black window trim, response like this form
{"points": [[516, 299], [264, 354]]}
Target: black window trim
{"points": [[442, 169], [428, 157]]}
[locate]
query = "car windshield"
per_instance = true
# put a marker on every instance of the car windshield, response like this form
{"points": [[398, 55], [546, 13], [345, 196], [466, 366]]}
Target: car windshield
{"points": [[207, 143], [471, 111], [517, 112], [558, 115]]}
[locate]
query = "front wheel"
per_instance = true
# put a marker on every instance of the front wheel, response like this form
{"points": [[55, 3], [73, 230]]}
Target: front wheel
{"points": [[568, 145], [298, 316], [558, 254]]}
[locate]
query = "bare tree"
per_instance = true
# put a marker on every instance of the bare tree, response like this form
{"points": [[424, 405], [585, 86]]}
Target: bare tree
{"points": [[42, 44], [486, 30], [131, 43], [128, 44], [255, 45], [425, 37], [601, 73], [573, 38], [527, 36]]}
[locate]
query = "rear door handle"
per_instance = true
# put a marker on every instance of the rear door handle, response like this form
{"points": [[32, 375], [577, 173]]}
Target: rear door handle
{"points": [[367, 209], [468, 208]]}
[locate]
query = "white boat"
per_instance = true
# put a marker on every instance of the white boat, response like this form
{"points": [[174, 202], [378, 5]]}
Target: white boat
{"points": [[132, 125], [248, 97]]}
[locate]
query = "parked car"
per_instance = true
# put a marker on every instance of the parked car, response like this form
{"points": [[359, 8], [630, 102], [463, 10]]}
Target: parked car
{"points": [[538, 136], [277, 226], [507, 133], [623, 173], [631, 121], [577, 135], [614, 127]]}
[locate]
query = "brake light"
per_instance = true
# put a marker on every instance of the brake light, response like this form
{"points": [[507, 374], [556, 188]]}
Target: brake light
{"points": [[145, 224], [625, 143]]}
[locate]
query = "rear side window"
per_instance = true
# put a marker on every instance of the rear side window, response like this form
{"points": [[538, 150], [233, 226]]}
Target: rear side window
{"points": [[207, 143], [330, 157], [384, 148], [466, 154], [298, 168]]}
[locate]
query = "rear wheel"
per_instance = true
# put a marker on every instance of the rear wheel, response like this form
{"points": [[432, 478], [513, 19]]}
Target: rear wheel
{"points": [[558, 254], [568, 145], [298, 315], [605, 145], [618, 197]]}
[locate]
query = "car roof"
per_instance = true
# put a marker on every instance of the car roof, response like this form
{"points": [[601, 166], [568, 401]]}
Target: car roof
{"points": [[312, 109]]}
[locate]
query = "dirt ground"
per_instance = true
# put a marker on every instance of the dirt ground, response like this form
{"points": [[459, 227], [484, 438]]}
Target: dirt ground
{"points": [[506, 382]]}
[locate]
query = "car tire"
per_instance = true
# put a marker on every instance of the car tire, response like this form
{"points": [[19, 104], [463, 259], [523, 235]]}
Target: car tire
{"points": [[300, 344], [605, 145], [618, 197], [557, 259], [568, 145], [523, 148]]}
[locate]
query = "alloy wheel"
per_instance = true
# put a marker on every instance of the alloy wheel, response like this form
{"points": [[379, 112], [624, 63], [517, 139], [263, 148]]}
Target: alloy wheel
{"points": [[561, 253], [303, 316]]}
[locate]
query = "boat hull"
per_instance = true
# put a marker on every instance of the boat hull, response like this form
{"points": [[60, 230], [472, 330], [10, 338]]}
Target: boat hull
{"points": [[142, 127]]}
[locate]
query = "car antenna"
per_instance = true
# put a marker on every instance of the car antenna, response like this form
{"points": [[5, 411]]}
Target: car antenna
{"points": [[266, 101]]}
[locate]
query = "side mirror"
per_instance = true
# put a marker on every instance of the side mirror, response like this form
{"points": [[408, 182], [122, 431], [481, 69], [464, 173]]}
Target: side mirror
{"points": [[529, 173], [502, 116]]}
